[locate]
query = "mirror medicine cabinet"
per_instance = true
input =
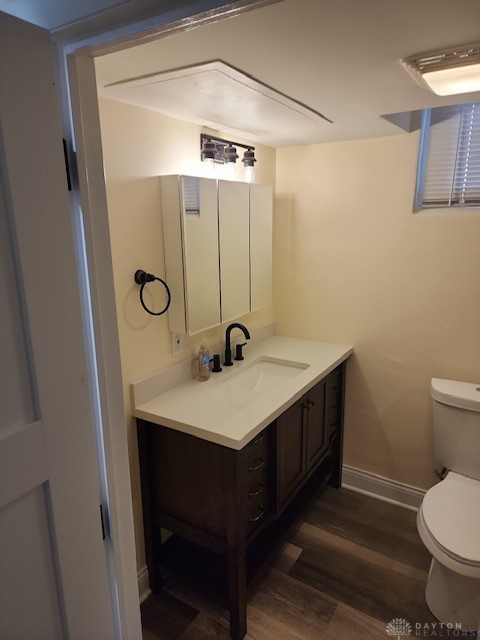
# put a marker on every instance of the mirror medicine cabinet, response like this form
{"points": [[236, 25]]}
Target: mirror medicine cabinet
{"points": [[218, 250]]}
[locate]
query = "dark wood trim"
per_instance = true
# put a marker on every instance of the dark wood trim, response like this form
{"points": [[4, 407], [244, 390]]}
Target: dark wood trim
{"points": [[191, 533]]}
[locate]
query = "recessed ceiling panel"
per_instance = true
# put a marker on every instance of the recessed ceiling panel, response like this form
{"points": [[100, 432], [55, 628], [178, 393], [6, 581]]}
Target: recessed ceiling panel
{"points": [[218, 96]]}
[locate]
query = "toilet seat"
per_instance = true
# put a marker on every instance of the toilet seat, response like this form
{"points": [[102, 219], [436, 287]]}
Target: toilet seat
{"points": [[449, 523]]}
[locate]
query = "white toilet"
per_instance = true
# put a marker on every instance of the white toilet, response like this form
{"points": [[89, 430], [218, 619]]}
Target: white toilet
{"points": [[449, 518]]}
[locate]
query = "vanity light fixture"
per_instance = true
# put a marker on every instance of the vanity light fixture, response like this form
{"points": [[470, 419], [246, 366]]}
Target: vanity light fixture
{"points": [[219, 150], [448, 72], [248, 163]]}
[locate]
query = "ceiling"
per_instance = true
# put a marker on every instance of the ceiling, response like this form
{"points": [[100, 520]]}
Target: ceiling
{"points": [[341, 58]]}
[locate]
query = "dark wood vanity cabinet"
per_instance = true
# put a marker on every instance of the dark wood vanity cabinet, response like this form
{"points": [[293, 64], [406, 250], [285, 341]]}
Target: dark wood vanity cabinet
{"points": [[223, 499], [302, 440]]}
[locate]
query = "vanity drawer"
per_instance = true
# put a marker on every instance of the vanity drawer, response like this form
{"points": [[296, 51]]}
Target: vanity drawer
{"points": [[258, 446], [258, 490], [258, 497], [254, 461], [256, 516], [255, 475]]}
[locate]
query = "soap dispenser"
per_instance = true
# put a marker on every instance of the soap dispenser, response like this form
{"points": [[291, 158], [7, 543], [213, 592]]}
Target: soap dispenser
{"points": [[203, 363]]}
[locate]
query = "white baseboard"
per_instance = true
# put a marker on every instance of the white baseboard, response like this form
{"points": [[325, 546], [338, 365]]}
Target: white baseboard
{"points": [[382, 488], [143, 584]]}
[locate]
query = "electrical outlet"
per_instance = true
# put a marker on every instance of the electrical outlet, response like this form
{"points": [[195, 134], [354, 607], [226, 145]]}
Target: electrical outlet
{"points": [[177, 344]]}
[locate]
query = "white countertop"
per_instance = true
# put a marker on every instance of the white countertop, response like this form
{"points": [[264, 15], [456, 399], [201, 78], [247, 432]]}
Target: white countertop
{"points": [[220, 413]]}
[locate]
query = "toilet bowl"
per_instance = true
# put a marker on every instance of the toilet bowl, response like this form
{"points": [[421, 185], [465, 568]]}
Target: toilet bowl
{"points": [[449, 525], [448, 520]]}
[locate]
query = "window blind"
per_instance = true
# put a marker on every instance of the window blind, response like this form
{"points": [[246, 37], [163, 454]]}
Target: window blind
{"points": [[191, 195], [450, 157]]}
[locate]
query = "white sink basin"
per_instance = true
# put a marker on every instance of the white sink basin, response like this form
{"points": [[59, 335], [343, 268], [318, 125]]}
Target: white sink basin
{"points": [[263, 375]]}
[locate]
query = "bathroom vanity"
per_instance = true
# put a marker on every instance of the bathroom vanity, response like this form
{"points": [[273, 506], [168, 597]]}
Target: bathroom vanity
{"points": [[226, 487]]}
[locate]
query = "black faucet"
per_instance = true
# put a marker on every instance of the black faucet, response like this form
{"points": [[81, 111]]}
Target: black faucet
{"points": [[228, 350]]}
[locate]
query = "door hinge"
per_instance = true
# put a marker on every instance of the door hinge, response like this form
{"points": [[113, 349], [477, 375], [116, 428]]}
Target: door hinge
{"points": [[105, 522], [70, 163]]}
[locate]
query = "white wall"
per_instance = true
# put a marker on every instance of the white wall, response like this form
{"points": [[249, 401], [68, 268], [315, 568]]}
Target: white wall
{"points": [[358, 267], [139, 145]]}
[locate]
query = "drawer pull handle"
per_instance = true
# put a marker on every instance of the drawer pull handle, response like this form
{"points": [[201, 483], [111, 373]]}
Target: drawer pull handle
{"points": [[257, 464], [259, 516], [257, 439], [256, 490]]}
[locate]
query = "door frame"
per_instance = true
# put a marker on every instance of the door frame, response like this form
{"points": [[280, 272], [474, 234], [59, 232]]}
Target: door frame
{"points": [[80, 113]]}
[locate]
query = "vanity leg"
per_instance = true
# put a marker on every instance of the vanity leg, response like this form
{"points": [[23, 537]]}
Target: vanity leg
{"points": [[237, 587], [336, 478], [151, 531]]}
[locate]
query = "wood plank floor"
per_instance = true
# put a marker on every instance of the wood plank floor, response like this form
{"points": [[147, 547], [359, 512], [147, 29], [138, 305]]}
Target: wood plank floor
{"points": [[350, 565]]}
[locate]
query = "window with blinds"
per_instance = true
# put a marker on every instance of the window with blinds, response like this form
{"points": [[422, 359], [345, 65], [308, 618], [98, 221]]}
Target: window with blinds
{"points": [[449, 158]]}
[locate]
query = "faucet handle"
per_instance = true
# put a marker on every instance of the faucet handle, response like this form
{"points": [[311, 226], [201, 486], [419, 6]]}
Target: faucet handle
{"points": [[238, 351], [216, 363]]}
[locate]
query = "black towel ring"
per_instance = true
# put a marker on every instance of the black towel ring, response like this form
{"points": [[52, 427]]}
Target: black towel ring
{"points": [[142, 278]]}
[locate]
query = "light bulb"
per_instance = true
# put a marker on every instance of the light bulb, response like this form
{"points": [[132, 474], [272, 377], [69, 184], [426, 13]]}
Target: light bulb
{"points": [[210, 169], [249, 174], [230, 170]]}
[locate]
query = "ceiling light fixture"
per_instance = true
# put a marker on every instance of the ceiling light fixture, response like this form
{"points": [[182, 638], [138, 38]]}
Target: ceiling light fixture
{"points": [[219, 150], [448, 72]]}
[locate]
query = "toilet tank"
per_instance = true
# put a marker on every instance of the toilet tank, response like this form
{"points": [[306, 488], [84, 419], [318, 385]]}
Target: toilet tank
{"points": [[456, 424]]}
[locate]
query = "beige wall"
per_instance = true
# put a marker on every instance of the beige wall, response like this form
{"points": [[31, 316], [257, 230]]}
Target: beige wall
{"points": [[352, 264], [358, 267], [139, 145]]}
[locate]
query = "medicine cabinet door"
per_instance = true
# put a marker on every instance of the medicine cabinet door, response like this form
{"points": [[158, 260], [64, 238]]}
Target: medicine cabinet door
{"points": [[190, 233], [201, 253], [261, 211], [234, 238]]}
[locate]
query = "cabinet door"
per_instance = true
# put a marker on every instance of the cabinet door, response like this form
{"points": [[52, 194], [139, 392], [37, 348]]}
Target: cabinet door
{"points": [[261, 205], [190, 238], [317, 437], [291, 459], [233, 213], [201, 253]]}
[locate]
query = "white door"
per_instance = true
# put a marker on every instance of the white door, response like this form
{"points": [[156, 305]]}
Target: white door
{"points": [[54, 579]]}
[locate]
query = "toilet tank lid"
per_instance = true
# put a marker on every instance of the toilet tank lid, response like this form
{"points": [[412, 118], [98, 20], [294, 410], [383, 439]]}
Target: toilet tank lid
{"points": [[465, 395]]}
